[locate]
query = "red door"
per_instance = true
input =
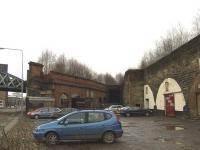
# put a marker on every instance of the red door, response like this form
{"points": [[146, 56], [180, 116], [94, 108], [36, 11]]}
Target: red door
{"points": [[170, 105]]}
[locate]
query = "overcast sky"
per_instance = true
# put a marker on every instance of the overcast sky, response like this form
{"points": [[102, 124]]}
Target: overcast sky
{"points": [[107, 35]]}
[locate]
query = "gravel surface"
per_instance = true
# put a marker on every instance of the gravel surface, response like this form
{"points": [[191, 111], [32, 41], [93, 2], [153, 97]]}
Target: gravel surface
{"points": [[140, 133]]}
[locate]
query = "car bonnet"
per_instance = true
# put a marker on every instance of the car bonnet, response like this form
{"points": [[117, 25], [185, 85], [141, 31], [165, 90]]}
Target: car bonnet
{"points": [[51, 124]]}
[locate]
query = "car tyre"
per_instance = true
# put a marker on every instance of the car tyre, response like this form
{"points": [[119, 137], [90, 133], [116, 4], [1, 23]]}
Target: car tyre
{"points": [[36, 116], [128, 114], [147, 114], [108, 137], [52, 138]]}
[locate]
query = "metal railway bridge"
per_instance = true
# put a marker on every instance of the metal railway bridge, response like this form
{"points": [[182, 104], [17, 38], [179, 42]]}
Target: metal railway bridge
{"points": [[11, 83]]}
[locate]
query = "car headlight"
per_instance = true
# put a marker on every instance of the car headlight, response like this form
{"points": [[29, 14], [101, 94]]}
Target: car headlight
{"points": [[36, 129], [39, 130]]}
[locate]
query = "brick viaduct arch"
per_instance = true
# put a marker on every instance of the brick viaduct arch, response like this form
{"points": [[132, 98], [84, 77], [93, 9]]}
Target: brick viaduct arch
{"points": [[64, 90], [182, 65]]}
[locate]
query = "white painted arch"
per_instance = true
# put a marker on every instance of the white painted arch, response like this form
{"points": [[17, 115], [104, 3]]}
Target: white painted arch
{"points": [[173, 87], [148, 97]]}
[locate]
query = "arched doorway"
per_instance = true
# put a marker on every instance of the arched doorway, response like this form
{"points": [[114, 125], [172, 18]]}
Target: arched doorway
{"points": [[65, 101], [170, 97], [149, 101]]}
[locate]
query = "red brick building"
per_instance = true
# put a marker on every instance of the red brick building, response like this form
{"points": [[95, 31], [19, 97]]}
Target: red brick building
{"points": [[63, 90], [3, 94]]}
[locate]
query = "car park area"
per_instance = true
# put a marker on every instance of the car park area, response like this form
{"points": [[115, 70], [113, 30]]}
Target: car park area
{"points": [[140, 133], [145, 133]]}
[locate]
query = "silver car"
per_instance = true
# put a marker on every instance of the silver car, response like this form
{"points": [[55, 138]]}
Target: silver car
{"points": [[114, 108]]}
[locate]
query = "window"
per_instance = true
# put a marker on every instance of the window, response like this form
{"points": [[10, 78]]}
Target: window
{"points": [[87, 93], [92, 94], [134, 108], [54, 109], [146, 90], [107, 116], [95, 117], [42, 110], [77, 118], [116, 106], [137, 105], [166, 86]]}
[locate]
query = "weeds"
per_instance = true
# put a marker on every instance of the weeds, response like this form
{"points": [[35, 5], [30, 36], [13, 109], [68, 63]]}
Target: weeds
{"points": [[20, 137]]}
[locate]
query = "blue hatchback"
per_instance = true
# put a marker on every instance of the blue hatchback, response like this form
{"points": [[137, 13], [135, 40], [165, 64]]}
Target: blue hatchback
{"points": [[81, 125]]}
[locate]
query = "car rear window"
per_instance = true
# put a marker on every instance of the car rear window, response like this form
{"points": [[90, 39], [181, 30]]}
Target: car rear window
{"points": [[98, 116], [107, 116], [95, 117]]}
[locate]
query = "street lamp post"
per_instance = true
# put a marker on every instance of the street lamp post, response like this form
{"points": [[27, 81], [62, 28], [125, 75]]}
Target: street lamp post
{"points": [[22, 87]]}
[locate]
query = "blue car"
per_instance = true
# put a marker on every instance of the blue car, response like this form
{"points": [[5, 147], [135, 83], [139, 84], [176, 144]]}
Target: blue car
{"points": [[81, 125]]}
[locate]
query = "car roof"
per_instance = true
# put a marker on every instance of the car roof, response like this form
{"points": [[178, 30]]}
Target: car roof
{"points": [[89, 110]]}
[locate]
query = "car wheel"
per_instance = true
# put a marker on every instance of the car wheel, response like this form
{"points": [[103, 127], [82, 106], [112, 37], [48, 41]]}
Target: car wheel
{"points": [[52, 138], [108, 137], [128, 114], [36, 116], [147, 114]]}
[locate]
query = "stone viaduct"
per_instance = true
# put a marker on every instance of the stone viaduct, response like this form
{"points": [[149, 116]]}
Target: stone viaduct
{"points": [[174, 78]]}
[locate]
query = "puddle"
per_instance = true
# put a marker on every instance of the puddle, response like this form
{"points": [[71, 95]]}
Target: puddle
{"points": [[124, 124], [127, 134], [178, 143], [164, 139], [174, 128]]}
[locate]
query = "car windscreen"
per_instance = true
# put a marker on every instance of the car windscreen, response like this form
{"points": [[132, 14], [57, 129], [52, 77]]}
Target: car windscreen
{"points": [[61, 118]]}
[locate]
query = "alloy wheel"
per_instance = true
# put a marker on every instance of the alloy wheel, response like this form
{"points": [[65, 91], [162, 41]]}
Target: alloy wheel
{"points": [[108, 137], [52, 138]]}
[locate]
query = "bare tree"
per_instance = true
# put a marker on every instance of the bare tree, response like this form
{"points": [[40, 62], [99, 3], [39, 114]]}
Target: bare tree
{"points": [[119, 78], [147, 59], [61, 64], [100, 78], [179, 36], [109, 80], [196, 25], [174, 38], [74, 67], [77, 69], [48, 59]]}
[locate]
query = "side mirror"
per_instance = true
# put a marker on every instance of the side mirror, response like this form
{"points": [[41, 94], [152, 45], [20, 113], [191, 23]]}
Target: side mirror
{"points": [[65, 122]]}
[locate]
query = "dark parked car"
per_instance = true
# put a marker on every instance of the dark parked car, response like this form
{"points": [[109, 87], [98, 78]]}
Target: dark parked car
{"points": [[81, 125], [44, 112], [135, 111]]}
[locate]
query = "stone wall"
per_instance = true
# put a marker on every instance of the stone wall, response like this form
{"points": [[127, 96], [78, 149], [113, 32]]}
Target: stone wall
{"points": [[182, 65], [133, 88], [4, 94], [4, 97]]}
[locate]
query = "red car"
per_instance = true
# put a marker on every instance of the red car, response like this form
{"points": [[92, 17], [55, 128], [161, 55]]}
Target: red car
{"points": [[44, 112]]}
